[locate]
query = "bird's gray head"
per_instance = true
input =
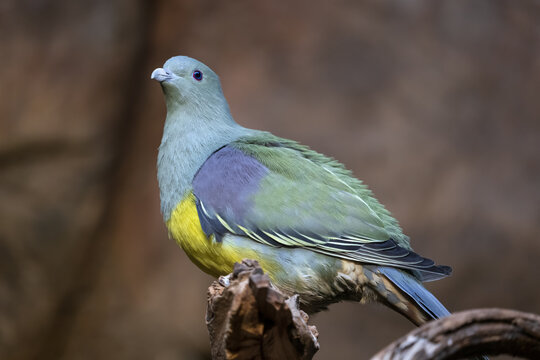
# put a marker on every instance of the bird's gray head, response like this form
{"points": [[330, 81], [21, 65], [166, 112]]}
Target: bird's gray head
{"points": [[188, 83], [198, 123]]}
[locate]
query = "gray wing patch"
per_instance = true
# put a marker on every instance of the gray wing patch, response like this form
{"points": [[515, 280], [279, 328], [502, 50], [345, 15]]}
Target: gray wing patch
{"points": [[223, 187]]}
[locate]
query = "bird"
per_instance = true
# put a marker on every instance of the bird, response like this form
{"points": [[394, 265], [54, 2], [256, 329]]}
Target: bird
{"points": [[229, 193]]}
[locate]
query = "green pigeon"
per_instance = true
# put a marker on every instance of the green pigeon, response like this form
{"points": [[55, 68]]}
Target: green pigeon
{"points": [[230, 193]]}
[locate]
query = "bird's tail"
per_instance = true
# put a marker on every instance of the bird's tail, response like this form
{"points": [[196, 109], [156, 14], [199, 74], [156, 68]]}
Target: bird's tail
{"points": [[414, 300], [405, 294]]}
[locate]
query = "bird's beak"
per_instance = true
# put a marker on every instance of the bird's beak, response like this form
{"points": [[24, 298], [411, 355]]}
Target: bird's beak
{"points": [[161, 75]]}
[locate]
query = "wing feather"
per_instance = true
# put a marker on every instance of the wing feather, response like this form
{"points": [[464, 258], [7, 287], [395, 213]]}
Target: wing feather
{"points": [[282, 195]]}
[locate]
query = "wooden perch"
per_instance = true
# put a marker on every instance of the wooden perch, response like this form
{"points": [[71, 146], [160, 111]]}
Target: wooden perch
{"points": [[248, 318], [468, 333]]}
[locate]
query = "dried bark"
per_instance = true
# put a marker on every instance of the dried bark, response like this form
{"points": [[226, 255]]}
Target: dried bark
{"points": [[468, 333], [248, 318]]}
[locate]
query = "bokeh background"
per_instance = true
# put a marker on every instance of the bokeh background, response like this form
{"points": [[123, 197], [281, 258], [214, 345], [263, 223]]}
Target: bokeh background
{"points": [[434, 104]]}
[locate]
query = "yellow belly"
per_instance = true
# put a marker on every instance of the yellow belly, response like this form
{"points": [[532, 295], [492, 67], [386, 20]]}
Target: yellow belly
{"points": [[214, 258]]}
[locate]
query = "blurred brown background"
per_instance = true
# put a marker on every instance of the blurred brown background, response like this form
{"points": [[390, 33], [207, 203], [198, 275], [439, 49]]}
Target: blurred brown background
{"points": [[434, 104]]}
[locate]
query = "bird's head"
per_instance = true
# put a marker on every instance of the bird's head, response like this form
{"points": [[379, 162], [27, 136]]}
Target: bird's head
{"points": [[188, 83]]}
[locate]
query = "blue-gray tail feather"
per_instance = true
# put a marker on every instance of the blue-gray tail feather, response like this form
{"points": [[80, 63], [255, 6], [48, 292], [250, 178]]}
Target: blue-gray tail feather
{"points": [[412, 287]]}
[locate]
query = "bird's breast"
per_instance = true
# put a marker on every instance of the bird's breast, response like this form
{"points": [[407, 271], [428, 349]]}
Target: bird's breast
{"points": [[213, 257]]}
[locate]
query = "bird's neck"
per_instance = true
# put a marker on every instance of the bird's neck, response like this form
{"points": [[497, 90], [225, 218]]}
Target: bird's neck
{"points": [[189, 138]]}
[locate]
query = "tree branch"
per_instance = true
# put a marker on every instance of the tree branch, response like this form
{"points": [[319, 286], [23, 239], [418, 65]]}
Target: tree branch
{"points": [[248, 318], [468, 333]]}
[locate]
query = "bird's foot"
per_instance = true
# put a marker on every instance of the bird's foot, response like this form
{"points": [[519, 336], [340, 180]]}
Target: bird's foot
{"points": [[225, 280]]}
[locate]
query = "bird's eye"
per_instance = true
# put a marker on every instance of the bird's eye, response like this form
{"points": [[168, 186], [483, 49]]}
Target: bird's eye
{"points": [[197, 75]]}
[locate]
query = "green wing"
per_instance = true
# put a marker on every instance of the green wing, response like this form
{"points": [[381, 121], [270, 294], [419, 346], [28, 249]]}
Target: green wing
{"points": [[280, 193]]}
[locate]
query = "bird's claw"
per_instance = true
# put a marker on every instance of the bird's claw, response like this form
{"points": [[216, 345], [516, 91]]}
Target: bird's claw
{"points": [[225, 280]]}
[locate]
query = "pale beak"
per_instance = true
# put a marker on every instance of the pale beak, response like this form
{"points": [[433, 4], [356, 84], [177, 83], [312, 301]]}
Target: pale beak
{"points": [[161, 75]]}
